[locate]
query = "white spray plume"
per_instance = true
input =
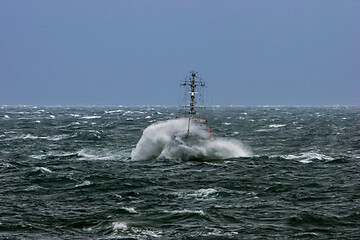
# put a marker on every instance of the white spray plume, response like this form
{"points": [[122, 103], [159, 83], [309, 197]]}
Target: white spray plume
{"points": [[168, 140]]}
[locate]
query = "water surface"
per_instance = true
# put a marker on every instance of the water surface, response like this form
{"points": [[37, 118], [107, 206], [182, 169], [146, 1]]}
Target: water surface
{"points": [[65, 173]]}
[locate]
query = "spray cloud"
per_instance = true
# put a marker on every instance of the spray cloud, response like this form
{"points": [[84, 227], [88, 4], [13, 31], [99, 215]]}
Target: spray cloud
{"points": [[168, 139]]}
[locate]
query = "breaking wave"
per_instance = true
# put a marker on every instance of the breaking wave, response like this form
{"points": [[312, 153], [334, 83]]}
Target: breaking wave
{"points": [[169, 140]]}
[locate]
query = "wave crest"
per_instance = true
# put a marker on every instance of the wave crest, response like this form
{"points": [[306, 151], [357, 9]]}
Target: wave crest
{"points": [[169, 140]]}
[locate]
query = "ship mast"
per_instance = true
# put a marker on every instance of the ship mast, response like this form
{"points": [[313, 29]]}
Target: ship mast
{"points": [[192, 82]]}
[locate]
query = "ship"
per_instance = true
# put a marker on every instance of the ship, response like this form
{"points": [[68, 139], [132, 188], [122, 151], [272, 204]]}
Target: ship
{"points": [[192, 84], [187, 137]]}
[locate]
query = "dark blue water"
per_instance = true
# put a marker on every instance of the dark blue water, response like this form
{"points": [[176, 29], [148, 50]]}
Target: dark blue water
{"points": [[66, 173]]}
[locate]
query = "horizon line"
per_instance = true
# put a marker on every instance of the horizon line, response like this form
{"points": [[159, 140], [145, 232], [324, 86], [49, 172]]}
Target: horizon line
{"points": [[160, 105]]}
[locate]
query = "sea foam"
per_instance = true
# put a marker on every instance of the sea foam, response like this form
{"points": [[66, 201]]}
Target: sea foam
{"points": [[168, 140]]}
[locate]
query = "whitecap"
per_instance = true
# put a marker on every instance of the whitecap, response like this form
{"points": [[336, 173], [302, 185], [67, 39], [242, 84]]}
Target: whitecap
{"points": [[148, 233], [83, 184], [52, 116], [29, 136], [84, 153], [305, 161], [91, 117], [220, 234], [42, 170], [7, 165], [200, 194], [130, 209], [33, 188], [40, 157], [6, 116], [138, 233], [127, 112], [50, 138], [277, 125], [106, 154], [119, 227], [265, 130], [87, 229], [308, 157], [203, 193], [114, 111], [57, 137], [200, 212]]}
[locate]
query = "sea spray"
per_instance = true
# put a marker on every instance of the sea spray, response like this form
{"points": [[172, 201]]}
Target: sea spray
{"points": [[169, 140]]}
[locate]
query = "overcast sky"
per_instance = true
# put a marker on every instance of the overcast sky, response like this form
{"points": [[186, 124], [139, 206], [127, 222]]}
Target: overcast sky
{"points": [[250, 52]]}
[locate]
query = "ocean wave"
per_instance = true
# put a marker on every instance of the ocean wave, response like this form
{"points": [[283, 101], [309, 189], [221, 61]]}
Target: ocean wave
{"points": [[33, 137], [277, 125], [55, 155], [6, 165], [83, 184], [186, 211], [123, 230], [34, 187], [129, 112], [91, 117], [103, 154], [119, 227], [41, 170], [129, 209], [200, 194], [114, 111], [169, 140], [307, 157], [300, 182], [266, 130], [271, 128], [313, 220]]}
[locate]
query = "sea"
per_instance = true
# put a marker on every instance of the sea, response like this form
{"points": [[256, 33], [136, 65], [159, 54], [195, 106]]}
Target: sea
{"points": [[264, 173]]}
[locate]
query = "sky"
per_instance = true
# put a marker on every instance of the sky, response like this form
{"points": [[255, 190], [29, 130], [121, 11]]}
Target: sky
{"points": [[250, 52]]}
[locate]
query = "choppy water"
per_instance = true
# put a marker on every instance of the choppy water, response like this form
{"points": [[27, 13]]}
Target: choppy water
{"points": [[65, 173]]}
